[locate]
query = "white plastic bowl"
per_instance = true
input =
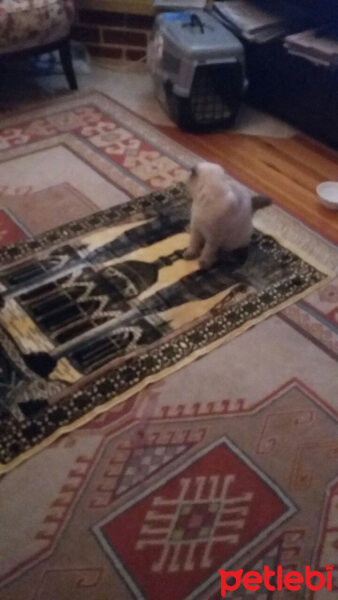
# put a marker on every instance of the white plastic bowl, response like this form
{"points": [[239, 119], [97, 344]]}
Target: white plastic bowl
{"points": [[328, 194]]}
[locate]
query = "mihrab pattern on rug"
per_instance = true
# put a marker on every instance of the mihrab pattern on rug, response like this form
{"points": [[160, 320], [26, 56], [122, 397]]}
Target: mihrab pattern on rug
{"points": [[102, 306]]}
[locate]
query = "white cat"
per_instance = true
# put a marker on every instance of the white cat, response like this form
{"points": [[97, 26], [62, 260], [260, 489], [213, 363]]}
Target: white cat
{"points": [[221, 214]]}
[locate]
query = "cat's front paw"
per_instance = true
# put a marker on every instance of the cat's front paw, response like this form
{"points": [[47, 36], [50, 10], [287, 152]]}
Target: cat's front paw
{"points": [[206, 263], [190, 254]]}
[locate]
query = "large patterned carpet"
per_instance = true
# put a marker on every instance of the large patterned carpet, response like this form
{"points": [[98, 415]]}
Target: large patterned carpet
{"points": [[230, 462]]}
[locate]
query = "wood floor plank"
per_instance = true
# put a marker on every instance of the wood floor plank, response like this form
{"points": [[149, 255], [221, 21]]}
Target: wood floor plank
{"points": [[287, 169], [303, 158]]}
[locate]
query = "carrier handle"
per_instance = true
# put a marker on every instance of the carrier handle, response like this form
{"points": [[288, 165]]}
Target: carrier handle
{"points": [[195, 21]]}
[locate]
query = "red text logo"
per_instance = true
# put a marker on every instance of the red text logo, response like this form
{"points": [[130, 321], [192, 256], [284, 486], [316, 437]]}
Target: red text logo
{"points": [[275, 580]]}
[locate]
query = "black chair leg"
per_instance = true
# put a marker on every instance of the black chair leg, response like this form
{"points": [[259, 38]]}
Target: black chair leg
{"points": [[67, 63]]}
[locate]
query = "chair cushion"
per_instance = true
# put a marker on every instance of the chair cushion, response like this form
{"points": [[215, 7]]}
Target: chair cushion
{"points": [[29, 23]]}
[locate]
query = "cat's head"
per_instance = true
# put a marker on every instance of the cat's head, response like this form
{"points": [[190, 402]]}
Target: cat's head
{"points": [[203, 173]]}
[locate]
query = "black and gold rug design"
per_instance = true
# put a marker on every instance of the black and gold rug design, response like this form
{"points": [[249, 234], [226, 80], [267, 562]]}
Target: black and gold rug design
{"points": [[94, 311]]}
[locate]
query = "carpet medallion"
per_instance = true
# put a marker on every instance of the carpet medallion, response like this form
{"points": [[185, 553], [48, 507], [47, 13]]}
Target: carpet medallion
{"points": [[210, 512]]}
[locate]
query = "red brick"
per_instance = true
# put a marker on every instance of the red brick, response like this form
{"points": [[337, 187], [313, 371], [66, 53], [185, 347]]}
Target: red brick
{"points": [[140, 22], [135, 54], [106, 51], [85, 34], [125, 38], [101, 17]]}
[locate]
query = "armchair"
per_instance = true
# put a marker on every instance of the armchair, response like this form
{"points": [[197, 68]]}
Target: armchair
{"points": [[30, 27]]}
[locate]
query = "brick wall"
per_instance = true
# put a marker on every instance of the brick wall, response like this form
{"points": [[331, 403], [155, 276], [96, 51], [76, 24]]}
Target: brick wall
{"points": [[113, 34]]}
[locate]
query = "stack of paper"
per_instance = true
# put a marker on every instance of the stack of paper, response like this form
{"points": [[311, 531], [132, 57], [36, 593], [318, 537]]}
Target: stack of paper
{"points": [[256, 22], [315, 46]]}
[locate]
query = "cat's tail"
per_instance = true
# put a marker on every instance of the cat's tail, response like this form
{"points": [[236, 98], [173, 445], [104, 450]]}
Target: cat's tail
{"points": [[259, 202]]}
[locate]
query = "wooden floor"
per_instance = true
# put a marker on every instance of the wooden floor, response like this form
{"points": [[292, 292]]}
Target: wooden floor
{"points": [[287, 170]]}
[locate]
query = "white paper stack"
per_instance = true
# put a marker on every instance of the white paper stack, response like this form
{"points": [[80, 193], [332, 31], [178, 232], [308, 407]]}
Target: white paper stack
{"points": [[315, 46]]}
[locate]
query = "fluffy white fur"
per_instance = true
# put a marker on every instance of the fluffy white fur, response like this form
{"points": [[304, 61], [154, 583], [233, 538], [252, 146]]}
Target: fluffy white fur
{"points": [[221, 214]]}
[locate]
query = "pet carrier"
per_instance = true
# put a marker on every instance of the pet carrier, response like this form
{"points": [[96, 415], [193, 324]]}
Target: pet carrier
{"points": [[198, 68]]}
